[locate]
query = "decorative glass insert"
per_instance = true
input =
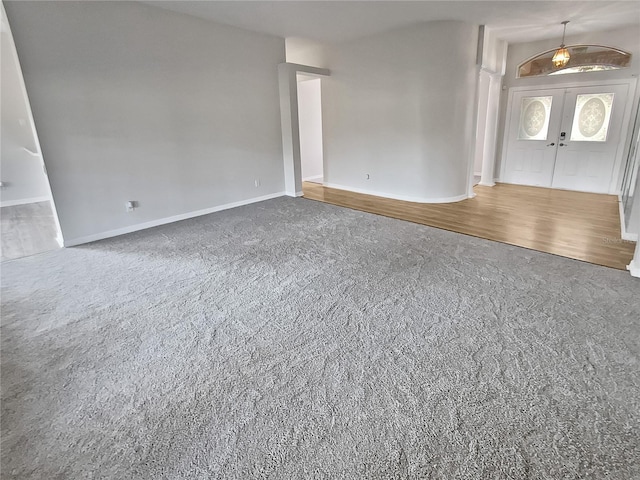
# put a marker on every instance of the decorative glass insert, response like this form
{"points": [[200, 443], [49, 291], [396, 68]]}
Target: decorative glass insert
{"points": [[584, 58], [534, 118], [591, 117]]}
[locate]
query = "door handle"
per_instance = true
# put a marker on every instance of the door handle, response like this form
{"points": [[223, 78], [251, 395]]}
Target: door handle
{"points": [[564, 144], [550, 144]]}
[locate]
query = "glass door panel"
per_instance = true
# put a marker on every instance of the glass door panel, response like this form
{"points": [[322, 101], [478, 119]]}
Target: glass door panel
{"points": [[585, 160]]}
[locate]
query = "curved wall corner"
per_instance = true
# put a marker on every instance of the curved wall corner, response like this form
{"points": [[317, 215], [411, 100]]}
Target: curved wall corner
{"points": [[398, 112]]}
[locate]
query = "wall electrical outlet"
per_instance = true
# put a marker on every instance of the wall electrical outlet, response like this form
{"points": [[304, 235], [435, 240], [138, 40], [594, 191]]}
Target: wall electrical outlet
{"points": [[131, 205], [256, 182], [368, 177]]}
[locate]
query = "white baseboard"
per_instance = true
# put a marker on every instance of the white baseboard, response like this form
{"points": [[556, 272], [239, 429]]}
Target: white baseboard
{"points": [[311, 179], [294, 194], [406, 198], [487, 184], [24, 201], [163, 221]]}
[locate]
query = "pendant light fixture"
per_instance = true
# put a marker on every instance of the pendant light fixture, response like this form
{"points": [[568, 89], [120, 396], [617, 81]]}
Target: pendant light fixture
{"points": [[561, 57]]}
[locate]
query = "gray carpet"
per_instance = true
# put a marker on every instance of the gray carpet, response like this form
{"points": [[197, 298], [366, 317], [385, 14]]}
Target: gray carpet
{"points": [[294, 339]]}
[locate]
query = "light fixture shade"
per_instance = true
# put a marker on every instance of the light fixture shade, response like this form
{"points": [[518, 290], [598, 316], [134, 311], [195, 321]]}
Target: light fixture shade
{"points": [[561, 57]]}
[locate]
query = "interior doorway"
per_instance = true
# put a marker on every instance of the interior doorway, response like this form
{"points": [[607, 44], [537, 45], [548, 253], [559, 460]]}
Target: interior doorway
{"points": [[28, 218], [630, 196], [567, 138], [310, 127]]}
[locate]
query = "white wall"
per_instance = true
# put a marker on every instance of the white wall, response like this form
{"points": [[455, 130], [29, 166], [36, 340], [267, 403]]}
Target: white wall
{"points": [[306, 52], [633, 215], [310, 122], [624, 38], [400, 110], [133, 102], [21, 173]]}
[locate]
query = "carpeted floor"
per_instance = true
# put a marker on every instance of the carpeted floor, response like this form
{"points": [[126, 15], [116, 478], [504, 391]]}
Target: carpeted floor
{"points": [[298, 340]]}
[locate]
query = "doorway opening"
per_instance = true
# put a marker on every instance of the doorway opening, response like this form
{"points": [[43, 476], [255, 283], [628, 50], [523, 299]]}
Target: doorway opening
{"points": [[28, 218], [630, 196], [310, 131], [569, 138], [289, 122]]}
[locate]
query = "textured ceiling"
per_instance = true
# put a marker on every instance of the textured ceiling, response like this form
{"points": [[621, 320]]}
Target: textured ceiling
{"points": [[337, 21]]}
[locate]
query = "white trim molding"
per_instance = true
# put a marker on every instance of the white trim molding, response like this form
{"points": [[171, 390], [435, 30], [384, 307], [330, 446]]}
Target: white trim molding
{"points": [[289, 121], [623, 225], [634, 266], [405, 198], [24, 201], [163, 221]]}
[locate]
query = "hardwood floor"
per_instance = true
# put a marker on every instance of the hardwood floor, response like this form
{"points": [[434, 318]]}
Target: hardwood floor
{"points": [[584, 226]]}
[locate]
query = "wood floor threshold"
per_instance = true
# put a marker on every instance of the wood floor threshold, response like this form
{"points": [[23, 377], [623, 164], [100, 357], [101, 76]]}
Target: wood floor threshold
{"points": [[578, 225]]}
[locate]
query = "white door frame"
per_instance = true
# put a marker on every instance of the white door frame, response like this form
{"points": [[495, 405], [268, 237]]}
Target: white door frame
{"points": [[290, 122], [615, 184]]}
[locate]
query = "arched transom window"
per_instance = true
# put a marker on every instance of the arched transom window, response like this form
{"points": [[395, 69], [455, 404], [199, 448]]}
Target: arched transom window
{"points": [[584, 58]]}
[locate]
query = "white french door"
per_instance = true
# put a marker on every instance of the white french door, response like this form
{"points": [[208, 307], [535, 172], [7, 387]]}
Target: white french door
{"points": [[532, 145], [565, 138]]}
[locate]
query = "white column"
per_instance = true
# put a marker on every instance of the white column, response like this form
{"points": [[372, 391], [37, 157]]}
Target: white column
{"points": [[491, 130], [290, 130], [481, 122], [634, 266]]}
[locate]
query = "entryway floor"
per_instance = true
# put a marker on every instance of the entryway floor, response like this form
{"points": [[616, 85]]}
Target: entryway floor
{"points": [[26, 230], [583, 226]]}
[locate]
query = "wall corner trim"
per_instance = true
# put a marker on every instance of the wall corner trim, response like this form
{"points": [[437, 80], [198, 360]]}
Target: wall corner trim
{"points": [[163, 221], [623, 227], [634, 265], [634, 268]]}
